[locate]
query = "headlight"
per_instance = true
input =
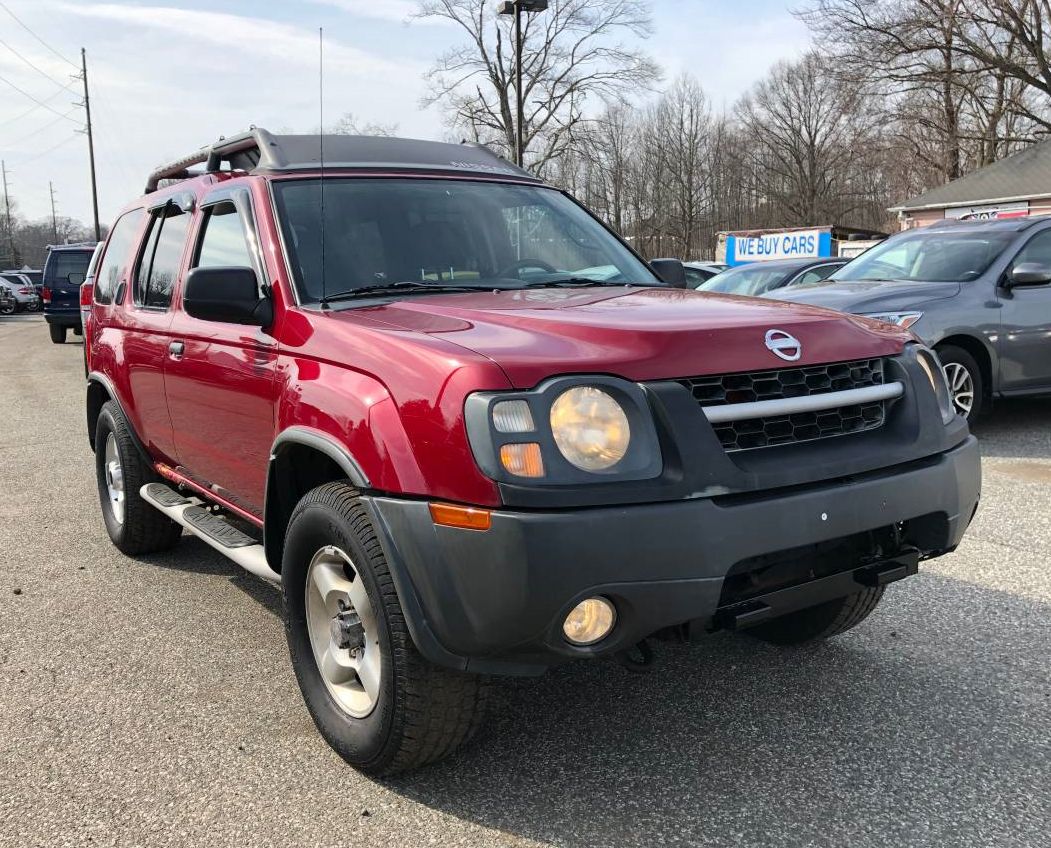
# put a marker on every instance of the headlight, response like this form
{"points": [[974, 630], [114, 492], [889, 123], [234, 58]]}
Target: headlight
{"points": [[898, 319], [590, 428], [928, 361], [567, 431]]}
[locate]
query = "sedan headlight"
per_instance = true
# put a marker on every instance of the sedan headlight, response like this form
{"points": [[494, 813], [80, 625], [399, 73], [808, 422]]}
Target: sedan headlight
{"points": [[590, 428], [567, 431], [898, 319]]}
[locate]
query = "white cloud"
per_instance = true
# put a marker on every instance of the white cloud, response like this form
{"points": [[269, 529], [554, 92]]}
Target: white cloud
{"points": [[256, 36], [398, 11]]}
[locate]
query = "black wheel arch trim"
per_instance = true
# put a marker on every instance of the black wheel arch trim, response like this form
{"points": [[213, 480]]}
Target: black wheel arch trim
{"points": [[101, 379], [297, 435]]}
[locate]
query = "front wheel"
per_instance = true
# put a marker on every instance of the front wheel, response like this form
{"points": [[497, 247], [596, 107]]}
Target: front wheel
{"points": [[820, 622], [965, 381], [380, 705]]}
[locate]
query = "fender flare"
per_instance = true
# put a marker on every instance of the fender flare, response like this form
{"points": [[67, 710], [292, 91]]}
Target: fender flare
{"points": [[107, 386], [299, 435]]}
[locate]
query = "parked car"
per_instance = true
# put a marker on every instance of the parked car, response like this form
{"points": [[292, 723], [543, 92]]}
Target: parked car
{"points": [[468, 447], [64, 270], [21, 291], [7, 302], [698, 272], [761, 278], [35, 278], [975, 291]]}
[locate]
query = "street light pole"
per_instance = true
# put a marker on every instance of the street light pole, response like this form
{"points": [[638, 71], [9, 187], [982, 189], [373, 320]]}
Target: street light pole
{"points": [[517, 8]]}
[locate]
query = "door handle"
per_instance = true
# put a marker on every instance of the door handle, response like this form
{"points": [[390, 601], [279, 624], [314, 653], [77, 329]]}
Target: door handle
{"points": [[175, 350]]}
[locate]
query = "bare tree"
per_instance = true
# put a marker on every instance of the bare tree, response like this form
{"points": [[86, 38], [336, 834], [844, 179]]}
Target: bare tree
{"points": [[348, 124], [571, 58], [808, 127]]}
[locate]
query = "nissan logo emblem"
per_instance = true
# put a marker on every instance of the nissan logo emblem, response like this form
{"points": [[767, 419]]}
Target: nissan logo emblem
{"points": [[783, 345]]}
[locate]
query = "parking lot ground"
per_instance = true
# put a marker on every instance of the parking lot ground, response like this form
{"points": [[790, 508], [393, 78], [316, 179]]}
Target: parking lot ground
{"points": [[150, 702]]}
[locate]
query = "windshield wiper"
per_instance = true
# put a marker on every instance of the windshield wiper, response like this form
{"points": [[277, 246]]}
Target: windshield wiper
{"points": [[573, 282], [398, 288]]}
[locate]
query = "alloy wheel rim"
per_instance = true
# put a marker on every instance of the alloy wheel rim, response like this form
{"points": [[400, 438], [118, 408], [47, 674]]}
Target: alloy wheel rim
{"points": [[343, 634], [961, 387], [114, 479]]}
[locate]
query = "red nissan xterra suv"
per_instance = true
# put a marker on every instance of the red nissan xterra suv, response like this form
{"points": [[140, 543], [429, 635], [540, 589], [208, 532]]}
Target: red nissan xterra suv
{"points": [[471, 433]]}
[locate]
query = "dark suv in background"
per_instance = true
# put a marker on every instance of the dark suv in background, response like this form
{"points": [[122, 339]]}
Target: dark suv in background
{"points": [[64, 270], [975, 291]]}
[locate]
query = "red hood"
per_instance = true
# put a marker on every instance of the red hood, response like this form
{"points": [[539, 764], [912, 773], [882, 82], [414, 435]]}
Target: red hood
{"points": [[640, 334]]}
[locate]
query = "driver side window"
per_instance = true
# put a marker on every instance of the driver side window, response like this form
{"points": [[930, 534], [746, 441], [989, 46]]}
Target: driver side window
{"points": [[1037, 249]]}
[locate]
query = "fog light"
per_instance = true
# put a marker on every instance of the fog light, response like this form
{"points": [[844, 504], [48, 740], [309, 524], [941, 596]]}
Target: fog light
{"points": [[589, 621]]}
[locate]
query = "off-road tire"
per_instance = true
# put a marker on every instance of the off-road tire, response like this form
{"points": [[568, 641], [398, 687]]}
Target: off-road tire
{"points": [[819, 622], [58, 333], [952, 355], [144, 529], [423, 712]]}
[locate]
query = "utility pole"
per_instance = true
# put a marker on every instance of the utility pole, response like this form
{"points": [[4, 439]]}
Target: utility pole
{"points": [[54, 219], [91, 143], [12, 256]]}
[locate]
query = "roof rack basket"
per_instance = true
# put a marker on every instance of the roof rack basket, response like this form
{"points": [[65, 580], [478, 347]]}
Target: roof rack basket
{"points": [[241, 152]]}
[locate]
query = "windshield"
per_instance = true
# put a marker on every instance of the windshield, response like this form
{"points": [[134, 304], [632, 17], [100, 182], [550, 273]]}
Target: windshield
{"points": [[928, 257], [455, 232], [746, 279]]}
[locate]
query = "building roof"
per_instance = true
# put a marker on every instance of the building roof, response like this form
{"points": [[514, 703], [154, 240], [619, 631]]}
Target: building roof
{"points": [[1021, 176]]}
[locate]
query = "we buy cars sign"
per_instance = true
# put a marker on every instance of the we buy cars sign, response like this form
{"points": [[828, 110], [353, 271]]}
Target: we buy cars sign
{"points": [[792, 244]]}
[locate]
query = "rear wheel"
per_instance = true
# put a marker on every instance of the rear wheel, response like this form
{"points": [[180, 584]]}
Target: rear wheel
{"points": [[133, 525], [8, 307], [819, 622], [375, 700], [58, 334], [965, 381]]}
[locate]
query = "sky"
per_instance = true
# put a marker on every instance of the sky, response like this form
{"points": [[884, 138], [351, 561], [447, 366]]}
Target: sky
{"points": [[168, 77]]}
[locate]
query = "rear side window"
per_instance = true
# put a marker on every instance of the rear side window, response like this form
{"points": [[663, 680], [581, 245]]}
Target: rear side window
{"points": [[223, 242], [62, 263], [159, 263], [115, 261]]}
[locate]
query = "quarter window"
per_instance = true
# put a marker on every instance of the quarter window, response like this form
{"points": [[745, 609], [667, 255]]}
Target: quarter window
{"points": [[114, 266], [159, 263], [223, 242]]}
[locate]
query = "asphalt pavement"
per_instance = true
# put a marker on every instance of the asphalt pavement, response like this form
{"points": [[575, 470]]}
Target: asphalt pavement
{"points": [[150, 702]]}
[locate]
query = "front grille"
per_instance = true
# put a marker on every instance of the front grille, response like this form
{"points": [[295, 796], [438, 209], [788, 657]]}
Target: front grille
{"points": [[802, 381]]}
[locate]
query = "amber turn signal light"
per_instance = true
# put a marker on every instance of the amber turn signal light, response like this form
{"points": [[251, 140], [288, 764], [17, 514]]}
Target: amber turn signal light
{"points": [[464, 517], [523, 460]]}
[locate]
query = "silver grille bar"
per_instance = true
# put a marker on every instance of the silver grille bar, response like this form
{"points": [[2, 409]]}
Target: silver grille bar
{"points": [[809, 403]]}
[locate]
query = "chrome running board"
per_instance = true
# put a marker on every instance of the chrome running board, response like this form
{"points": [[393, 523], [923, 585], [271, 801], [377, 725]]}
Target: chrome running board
{"points": [[192, 513]]}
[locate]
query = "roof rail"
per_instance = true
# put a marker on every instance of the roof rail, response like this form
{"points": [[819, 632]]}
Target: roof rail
{"points": [[243, 152], [257, 151]]}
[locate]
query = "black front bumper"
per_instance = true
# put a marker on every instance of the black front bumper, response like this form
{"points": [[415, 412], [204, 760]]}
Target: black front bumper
{"points": [[494, 601]]}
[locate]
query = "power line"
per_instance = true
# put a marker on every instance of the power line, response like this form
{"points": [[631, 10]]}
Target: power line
{"points": [[42, 73], [31, 97], [48, 125], [37, 37], [30, 110], [62, 143]]}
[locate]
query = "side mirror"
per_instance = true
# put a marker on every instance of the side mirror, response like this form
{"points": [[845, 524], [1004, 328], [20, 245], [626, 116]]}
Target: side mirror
{"points": [[670, 271], [226, 294], [74, 278], [1029, 274]]}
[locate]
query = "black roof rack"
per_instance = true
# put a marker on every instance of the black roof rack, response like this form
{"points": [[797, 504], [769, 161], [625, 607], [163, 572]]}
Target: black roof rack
{"points": [[258, 151]]}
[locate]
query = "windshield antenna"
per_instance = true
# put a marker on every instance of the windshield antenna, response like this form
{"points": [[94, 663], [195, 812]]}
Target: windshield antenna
{"points": [[321, 145]]}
